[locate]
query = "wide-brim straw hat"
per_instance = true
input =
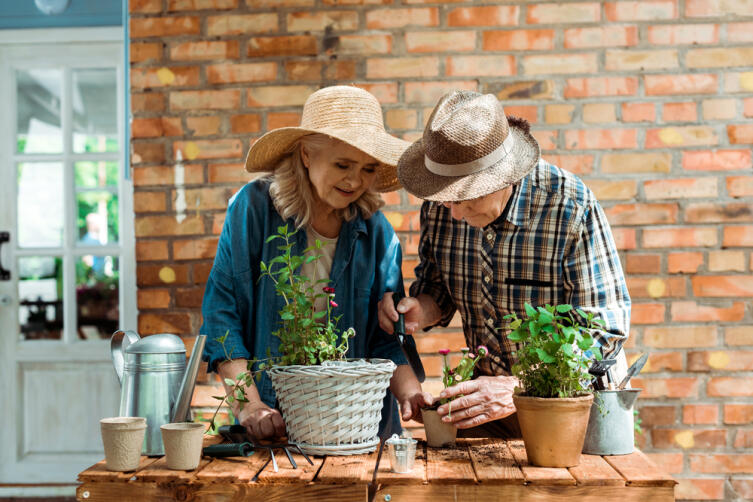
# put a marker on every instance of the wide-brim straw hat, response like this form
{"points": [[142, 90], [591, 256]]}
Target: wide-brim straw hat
{"points": [[347, 113], [468, 150]]}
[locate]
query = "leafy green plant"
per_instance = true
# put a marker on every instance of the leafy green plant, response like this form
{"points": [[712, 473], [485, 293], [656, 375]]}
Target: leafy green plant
{"points": [[557, 349], [460, 373]]}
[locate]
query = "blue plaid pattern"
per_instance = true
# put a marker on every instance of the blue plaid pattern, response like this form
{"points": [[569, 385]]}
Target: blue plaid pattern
{"points": [[553, 245]]}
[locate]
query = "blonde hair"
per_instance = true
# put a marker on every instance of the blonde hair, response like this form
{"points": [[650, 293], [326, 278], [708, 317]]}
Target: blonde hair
{"points": [[291, 190]]}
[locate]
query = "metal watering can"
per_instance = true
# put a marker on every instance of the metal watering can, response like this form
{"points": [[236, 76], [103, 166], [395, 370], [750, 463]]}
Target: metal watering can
{"points": [[154, 380]]}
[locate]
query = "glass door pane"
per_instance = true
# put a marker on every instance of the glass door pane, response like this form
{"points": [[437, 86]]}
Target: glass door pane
{"points": [[40, 204], [40, 294], [95, 120], [38, 121]]}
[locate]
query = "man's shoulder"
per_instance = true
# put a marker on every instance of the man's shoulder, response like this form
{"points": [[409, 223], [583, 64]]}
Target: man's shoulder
{"points": [[551, 181]]}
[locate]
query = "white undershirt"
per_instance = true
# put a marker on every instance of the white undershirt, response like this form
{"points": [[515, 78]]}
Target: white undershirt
{"points": [[319, 269]]}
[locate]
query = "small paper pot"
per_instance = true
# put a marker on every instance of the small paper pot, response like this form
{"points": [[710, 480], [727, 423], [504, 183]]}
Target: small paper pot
{"points": [[183, 442], [438, 433], [122, 438], [402, 453]]}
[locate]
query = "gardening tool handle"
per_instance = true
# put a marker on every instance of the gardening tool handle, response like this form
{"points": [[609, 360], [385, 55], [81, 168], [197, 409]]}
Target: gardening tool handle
{"points": [[407, 343], [228, 450]]}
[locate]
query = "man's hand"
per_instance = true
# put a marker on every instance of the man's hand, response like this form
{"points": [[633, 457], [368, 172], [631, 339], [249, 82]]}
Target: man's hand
{"points": [[484, 399], [419, 312], [410, 407], [261, 421]]}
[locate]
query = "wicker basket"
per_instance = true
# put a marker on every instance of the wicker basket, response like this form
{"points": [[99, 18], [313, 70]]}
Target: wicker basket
{"points": [[333, 408]]}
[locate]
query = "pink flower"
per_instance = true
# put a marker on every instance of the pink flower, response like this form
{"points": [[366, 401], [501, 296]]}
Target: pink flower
{"points": [[471, 355], [332, 303], [482, 350], [444, 352], [328, 290]]}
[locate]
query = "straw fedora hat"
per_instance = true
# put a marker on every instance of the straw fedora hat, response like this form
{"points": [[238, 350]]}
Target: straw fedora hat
{"points": [[468, 150], [347, 113]]}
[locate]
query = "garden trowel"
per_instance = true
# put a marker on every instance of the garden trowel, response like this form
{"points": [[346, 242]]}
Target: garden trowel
{"points": [[407, 343]]}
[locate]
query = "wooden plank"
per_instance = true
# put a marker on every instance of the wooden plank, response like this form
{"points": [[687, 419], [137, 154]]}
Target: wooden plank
{"points": [[159, 473], [286, 474], [638, 470], [558, 476], [449, 465], [595, 471], [522, 493], [494, 463], [417, 475], [234, 469], [227, 492], [347, 469], [98, 472]]}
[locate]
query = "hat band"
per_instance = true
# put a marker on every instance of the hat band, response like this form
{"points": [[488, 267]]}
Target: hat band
{"points": [[473, 166]]}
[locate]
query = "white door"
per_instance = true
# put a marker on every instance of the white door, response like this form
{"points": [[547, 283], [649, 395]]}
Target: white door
{"points": [[67, 225]]}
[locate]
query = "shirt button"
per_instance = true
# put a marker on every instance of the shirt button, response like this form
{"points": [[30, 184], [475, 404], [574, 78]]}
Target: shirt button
{"points": [[490, 321], [490, 236], [487, 279]]}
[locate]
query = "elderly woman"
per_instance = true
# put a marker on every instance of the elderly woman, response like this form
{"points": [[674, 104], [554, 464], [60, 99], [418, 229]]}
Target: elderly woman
{"points": [[323, 178]]}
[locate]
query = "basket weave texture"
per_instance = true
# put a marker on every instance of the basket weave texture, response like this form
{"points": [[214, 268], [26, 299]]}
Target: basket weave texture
{"points": [[333, 408]]}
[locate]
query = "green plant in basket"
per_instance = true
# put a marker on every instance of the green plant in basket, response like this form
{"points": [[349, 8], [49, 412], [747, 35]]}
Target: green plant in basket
{"points": [[557, 350]]}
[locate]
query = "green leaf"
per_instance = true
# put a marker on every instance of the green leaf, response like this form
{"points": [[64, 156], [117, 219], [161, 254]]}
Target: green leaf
{"points": [[230, 382], [221, 398], [564, 308], [530, 311], [544, 357]]}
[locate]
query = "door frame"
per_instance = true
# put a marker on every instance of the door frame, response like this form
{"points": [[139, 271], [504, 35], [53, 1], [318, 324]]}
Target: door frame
{"points": [[12, 351]]}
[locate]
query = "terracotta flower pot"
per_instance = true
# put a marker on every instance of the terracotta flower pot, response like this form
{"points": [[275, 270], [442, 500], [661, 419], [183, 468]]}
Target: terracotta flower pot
{"points": [[122, 438], [183, 442], [553, 428], [438, 433]]}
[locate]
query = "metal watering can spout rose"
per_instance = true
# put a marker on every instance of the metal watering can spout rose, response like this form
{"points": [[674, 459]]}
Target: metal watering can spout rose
{"points": [[155, 382]]}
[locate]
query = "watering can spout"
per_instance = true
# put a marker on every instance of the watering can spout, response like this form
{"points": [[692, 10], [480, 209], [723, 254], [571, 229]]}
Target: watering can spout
{"points": [[183, 403], [627, 397], [118, 343]]}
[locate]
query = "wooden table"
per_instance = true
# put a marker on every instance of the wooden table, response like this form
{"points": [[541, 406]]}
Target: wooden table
{"points": [[474, 470]]}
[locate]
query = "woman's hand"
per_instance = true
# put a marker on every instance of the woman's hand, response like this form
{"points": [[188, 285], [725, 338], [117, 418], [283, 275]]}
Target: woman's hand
{"points": [[410, 406], [261, 421], [484, 399]]}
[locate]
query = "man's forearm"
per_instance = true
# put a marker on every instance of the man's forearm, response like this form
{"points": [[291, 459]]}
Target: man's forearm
{"points": [[403, 383]]}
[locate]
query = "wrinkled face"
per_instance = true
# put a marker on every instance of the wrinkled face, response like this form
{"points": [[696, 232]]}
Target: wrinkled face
{"points": [[339, 173], [482, 211]]}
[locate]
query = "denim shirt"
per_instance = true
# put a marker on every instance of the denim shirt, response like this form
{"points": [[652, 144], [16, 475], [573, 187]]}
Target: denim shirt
{"points": [[366, 264]]}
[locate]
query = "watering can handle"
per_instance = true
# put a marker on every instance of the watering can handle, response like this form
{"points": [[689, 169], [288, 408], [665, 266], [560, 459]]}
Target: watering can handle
{"points": [[118, 343]]}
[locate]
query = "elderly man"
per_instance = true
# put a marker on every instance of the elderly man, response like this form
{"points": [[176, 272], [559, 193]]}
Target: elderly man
{"points": [[501, 227]]}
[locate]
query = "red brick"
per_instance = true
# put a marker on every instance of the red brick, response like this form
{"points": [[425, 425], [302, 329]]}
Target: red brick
{"points": [[689, 438], [681, 136], [676, 337], [209, 197], [209, 149], [729, 387], [715, 213], [401, 119], [680, 237], [680, 188], [151, 250], [248, 123], [296, 45], [162, 225], [598, 113], [602, 36], [560, 63], [657, 415], [642, 214], [738, 335], [233, 73], [399, 18], [740, 134], [498, 15], [666, 387], [205, 50], [743, 438], [624, 238], [554, 13], [700, 489], [641, 10], [177, 323], [716, 160], [156, 128], [283, 119], [228, 99], [440, 41], [388, 68], [160, 176], [288, 95], [736, 360], [680, 112], [144, 78], [727, 57], [696, 83], [189, 297], [601, 86], [546, 138], [518, 40], [619, 163], [147, 102], [558, 114], [147, 153], [227, 24], [577, 164], [141, 27], [364, 44], [203, 126], [643, 287], [200, 272], [194, 249], [218, 220], [144, 6], [707, 414], [740, 236], [690, 311], [647, 313], [602, 139], [687, 34], [643, 263], [153, 298], [725, 260], [678, 263], [431, 343], [719, 109], [740, 32], [735, 414], [228, 173], [529, 113], [722, 463], [671, 463], [385, 92], [142, 52], [149, 202], [154, 275], [663, 361], [319, 21], [743, 488], [740, 186], [177, 5], [631, 59], [482, 66], [340, 70], [430, 92]]}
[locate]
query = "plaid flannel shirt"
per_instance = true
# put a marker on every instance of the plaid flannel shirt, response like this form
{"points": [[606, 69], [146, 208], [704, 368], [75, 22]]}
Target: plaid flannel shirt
{"points": [[551, 245]]}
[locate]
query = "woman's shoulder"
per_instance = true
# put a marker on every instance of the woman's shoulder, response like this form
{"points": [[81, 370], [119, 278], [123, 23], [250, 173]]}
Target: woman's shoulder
{"points": [[379, 223]]}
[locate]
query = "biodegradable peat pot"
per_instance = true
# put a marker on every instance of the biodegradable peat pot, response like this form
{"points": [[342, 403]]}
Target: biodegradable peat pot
{"points": [[122, 438], [438, 433], [183, 442], [553, 428]]}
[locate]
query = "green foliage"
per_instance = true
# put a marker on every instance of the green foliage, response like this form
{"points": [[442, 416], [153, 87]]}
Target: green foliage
{"points": [[557, 350], [460, 373], [306, 337]]}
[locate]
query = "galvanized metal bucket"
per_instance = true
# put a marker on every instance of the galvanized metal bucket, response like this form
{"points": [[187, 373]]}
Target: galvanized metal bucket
{"points": [[610, 426]]}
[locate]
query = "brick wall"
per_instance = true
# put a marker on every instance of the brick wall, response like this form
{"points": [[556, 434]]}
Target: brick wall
{"points": [[650, 102]]}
